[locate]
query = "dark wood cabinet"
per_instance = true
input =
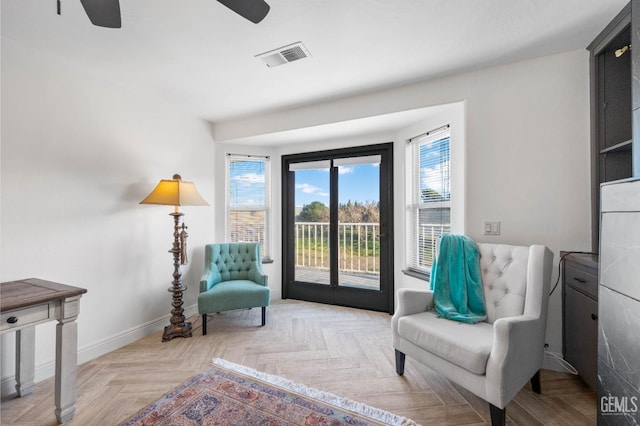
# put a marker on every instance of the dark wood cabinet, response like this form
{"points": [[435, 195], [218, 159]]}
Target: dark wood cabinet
{"points": [[611, 109], [580, 315]]}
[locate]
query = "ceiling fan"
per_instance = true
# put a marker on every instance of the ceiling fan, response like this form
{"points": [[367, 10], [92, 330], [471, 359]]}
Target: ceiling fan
{"points": [[106, 13]]}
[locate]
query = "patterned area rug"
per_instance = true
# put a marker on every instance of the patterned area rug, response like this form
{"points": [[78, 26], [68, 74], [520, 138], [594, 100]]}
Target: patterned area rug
{"points": [[231, 394]]}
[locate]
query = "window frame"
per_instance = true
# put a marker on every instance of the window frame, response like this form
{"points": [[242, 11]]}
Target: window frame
{"points": [[266, 207], [414, 201]]}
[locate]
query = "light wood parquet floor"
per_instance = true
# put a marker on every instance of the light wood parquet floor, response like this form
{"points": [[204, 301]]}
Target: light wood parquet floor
{"points": [[340, 350]]}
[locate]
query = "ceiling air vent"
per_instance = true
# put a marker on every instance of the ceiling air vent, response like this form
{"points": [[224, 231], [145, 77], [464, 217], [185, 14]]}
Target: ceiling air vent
{"points": [[284, 55]]}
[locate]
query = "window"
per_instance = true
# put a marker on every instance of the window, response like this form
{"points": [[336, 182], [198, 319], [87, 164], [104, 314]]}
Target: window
{"points": [[429, 196], [248, 201]]}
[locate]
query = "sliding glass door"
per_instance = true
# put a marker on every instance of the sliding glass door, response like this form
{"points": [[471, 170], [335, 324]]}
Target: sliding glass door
{"points": [[359, 221], [337, 221], [311, 222]]}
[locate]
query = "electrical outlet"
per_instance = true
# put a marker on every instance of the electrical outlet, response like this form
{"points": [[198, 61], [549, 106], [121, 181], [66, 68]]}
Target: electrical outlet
{"points": [[492, 228]]}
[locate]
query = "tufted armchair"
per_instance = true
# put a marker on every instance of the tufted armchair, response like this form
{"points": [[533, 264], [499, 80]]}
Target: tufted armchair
{"points": [[492, 359], [232, 279]]}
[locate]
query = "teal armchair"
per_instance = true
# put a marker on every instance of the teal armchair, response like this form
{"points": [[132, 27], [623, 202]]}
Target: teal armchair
{"points": [[233, 279]]}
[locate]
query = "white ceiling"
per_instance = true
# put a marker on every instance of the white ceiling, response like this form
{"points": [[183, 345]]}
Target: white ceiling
{"points": [[200, 55]]}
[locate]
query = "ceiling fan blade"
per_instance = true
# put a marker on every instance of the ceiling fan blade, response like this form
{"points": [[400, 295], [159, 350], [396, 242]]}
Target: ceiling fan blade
{"points": [[103, 13], [253, 10]]}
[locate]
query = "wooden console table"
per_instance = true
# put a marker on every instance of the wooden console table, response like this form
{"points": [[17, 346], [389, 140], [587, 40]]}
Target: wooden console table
{"points": [[23, 305]]}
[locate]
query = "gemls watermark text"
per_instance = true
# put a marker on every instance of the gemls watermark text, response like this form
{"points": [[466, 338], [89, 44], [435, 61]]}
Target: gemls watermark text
{"points": [[615, 405]]}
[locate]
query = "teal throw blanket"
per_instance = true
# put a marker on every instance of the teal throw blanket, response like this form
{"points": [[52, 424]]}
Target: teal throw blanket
{"points": [[456, 280]]}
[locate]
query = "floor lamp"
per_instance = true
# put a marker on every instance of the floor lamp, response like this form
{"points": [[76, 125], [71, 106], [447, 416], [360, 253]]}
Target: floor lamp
{"points": [[176, 193]]}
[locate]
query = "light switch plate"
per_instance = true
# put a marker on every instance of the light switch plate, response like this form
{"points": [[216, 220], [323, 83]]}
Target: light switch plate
{"points": [[492, 228]]}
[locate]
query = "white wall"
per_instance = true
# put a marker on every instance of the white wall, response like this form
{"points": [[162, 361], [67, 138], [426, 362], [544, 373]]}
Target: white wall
{"points": [[526, 131], [78, 154]]}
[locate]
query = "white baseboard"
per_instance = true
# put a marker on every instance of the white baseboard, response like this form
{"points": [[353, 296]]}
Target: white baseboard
{"points": [[94, 350]]}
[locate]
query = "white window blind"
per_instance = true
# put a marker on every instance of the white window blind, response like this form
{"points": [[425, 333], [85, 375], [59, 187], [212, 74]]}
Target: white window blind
{"points": [[429, 204], [310, 165], [248, 202], [354, 161]]}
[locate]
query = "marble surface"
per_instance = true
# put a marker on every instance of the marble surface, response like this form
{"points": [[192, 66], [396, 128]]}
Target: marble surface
{"points": [[616, 403], [619, 305], [620, 252], [635, 54], [620, 196], [635, 129], [619, 334]]}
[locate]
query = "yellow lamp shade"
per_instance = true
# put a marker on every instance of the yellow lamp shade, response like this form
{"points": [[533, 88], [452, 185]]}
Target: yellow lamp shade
{"points": [[175, 192]]}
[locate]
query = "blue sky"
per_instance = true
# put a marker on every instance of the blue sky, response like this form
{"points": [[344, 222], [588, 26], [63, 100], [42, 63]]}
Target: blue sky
{"points": [[360, 182], [435, 166], [246, 183], [356, 183]]}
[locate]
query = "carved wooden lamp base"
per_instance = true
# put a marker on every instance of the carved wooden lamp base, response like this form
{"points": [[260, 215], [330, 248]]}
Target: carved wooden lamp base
{"points": [[172, 331], [178, 326]]}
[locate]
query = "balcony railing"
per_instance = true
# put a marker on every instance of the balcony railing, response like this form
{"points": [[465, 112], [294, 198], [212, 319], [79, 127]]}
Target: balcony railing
{"points": [[358, 246], [427, 241]]}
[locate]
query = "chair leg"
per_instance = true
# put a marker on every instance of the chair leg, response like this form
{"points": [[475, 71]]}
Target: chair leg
{"points": [[400, 358], [264, 315], [498, 415], [535, 383], [204, 324]]}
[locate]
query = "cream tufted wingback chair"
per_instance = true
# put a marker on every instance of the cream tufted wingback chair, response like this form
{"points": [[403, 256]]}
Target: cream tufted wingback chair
{"points": [[233, 279], [492, 359]]}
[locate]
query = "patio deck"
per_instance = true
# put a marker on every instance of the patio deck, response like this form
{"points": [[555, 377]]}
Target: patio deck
{"points": [[348, 279]]}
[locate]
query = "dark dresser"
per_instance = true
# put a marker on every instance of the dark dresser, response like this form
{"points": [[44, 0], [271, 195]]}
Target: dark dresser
{"points": [[580, 314]]}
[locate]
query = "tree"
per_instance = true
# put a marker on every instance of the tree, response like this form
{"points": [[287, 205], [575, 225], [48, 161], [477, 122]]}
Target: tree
{"points": [[315, 211], [359, 212]]}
